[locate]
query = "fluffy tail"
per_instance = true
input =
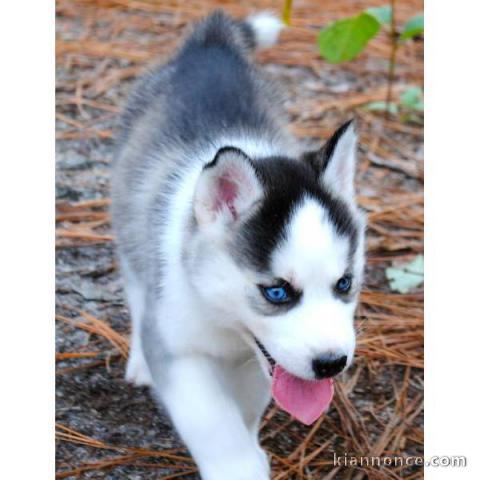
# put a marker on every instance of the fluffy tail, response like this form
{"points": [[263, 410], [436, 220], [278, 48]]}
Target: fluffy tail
{"points": [[266, 29], [258, 31]]}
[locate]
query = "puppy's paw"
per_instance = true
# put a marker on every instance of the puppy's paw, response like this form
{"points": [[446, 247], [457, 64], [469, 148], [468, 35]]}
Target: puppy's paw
{"points": [[253, 466], [137, 371]]}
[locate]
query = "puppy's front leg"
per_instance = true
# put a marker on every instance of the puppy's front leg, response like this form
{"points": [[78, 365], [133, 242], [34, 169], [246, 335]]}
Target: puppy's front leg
{"points": [[209, 421]]}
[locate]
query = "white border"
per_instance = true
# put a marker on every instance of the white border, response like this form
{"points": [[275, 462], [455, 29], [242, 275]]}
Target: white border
{"points": [[452, 230], [27, 239], [27, 258]]}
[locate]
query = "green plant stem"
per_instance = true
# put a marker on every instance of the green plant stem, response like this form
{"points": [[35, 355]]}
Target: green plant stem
{"points": [[393, 59], [287, 11]]}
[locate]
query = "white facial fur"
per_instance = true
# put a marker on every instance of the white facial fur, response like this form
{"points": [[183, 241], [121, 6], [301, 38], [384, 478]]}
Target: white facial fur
{"points": [[312, 259]]}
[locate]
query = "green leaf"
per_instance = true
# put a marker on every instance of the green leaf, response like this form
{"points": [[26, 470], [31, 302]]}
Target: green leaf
{"points": [[406, 277], [413, 27], [412, 98], [382, 14], [381, 106], [345, 39]]}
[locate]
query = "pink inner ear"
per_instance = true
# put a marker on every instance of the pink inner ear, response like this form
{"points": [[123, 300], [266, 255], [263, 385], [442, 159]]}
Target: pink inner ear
{"points": [[227, 193]]}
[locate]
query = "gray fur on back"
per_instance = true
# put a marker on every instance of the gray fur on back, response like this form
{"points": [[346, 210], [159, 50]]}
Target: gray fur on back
{"points": [[208, 92]]}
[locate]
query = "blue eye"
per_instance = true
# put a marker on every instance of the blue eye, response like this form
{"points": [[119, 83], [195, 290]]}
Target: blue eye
{"points": [[278, 294], [344, 284]]}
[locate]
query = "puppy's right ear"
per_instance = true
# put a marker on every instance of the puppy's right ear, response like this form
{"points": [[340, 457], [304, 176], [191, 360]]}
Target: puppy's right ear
{"points": [[334, 163], [227, 188]]}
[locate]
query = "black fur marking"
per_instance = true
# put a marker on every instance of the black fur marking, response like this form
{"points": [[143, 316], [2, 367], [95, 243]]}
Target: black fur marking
{"points": [[265, 353], [333, 141], [319, 159], [227, 150], [287, 183]]}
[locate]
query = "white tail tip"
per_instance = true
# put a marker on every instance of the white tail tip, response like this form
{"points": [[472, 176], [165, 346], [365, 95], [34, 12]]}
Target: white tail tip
{"points": [[266, 27]]}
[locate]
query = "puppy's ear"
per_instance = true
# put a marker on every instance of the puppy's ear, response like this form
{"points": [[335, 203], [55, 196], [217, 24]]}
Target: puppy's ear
{"points": [[335, 162], [227, 188]]}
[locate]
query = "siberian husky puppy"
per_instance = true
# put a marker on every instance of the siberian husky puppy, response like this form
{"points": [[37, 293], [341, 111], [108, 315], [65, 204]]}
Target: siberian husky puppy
{"points": [[235, 247]]}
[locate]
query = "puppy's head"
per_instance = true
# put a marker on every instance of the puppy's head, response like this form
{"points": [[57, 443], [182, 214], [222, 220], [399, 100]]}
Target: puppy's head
{"points": [[278, 251]]}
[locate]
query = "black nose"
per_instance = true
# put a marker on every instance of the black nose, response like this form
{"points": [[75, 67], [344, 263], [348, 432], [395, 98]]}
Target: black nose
{"points": [[326, 367]]}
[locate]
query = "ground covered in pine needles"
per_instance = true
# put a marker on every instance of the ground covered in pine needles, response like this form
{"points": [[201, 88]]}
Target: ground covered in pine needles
{"points": [[108, 429]]}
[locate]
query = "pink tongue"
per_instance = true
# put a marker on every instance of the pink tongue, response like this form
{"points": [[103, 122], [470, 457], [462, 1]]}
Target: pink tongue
{"points": [[303, 399]]}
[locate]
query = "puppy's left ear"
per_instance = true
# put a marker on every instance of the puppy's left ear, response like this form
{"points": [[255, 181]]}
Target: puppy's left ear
{"points": [[227, 188], [335, 162]]}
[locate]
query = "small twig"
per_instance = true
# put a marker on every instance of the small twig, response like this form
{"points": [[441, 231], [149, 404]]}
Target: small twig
{"points": [[68, 355], [392, 60]]}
